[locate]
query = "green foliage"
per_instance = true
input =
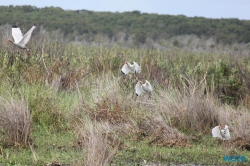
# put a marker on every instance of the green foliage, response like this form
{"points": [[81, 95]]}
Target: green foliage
{"points": [[140, 154], [227, 82], [63, 84], [65, 64], [140, 37], [137, 24], [175, 43]]}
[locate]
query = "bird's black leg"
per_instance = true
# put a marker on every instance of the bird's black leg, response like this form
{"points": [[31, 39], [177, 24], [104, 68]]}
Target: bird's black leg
{"points": [[123, 74], [136, 95]]}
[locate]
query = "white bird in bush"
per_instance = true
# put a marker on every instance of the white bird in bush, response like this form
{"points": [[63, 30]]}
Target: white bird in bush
{"points": [[19, 40], [147, 87], [129, 68], [223, 134]]}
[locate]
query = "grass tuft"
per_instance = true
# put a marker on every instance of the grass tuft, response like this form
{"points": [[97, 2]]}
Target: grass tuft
{"points": [[15, 122], [98, 148]]}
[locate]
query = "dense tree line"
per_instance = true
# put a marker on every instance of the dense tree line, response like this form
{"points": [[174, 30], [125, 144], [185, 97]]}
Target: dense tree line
{"points": [[139, 25]]}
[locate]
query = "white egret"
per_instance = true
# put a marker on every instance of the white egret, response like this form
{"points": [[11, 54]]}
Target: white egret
{"points": [[223, 134], [130, 68], [19, 40], [140, 87]]}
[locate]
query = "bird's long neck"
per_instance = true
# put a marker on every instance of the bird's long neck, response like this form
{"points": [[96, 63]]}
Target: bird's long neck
{"points": [[12, 41]]}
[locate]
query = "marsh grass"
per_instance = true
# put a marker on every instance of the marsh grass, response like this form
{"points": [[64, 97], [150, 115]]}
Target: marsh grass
{"points": [[15, 122], [95, 142], [77, 95]]}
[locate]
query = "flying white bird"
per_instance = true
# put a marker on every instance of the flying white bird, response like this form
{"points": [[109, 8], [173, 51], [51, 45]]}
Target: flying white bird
{"points": [[147, 87], [128, 68], [19, 40], [223, 134]]}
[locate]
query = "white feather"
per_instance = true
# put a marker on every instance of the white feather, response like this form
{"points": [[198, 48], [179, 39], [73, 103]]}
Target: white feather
{"points": [[222, 134], [27, 36], [137, 68], [17, 34], [19, 39], [216, 132], [125, 69], [227, 133], [138, 89], [130, 68], [147, 87]]}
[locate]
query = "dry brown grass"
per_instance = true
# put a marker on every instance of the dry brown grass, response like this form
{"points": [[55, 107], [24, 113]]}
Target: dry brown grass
{"points": [[195, 114], [175, 118], [172, 118], [238, 120], [109, 104], [136, 122], [156, 131], [98, 143], [15, 121]]}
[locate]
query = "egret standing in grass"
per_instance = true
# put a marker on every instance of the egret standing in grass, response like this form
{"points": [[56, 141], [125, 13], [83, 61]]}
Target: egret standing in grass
{"points": [[131, 68], [223, 134], [19, 40], [140, 87]]}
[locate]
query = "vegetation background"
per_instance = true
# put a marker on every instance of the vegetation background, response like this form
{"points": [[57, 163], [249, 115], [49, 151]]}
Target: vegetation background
{"points": [[89, 26], [68, 103]]}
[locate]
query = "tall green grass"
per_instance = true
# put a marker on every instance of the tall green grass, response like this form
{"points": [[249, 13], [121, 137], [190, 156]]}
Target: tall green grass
{"points": [[78, 95]]}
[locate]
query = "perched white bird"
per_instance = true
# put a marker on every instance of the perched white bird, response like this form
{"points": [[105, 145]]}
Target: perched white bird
{"points": [[223, 134], [19, 40], [147, 87], [128, 68]]}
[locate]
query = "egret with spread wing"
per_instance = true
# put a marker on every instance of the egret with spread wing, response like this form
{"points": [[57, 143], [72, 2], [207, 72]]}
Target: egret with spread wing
{"points": [[147, 87], [130, 68], [19, 40], [223, 134]]}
